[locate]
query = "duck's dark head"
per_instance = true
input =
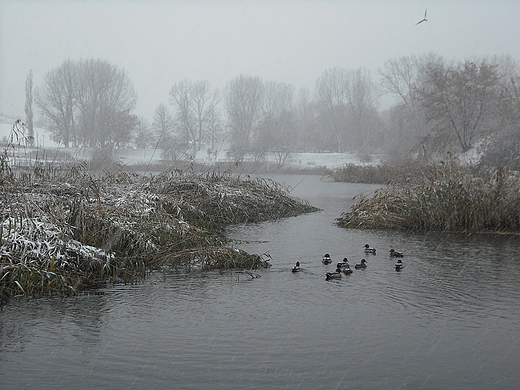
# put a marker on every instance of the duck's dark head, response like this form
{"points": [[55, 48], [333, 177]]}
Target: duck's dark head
{"points": [[367, 246]]}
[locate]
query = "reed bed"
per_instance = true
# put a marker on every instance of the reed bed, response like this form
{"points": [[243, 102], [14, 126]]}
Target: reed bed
{"points": [[377, 174], [64, 229], [445, 197]]}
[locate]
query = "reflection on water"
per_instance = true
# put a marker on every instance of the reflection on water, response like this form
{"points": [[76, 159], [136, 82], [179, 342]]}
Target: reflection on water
{"points": [[449, 320]]}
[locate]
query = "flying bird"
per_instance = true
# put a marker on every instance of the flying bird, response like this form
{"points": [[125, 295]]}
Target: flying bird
{"points": [[424, 20]]}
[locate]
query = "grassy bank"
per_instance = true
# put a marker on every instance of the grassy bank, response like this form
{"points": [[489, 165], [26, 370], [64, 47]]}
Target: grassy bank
{"points": [[238, 168], [376, 174], [444, 197], [64, 229]]}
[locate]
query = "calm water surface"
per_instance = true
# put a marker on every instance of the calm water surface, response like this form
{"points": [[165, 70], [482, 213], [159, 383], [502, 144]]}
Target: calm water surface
{"points": [[449, 320]]}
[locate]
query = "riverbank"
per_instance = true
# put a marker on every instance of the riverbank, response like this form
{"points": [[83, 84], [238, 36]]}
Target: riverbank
{"points": [[65, 230], [442, 197]]}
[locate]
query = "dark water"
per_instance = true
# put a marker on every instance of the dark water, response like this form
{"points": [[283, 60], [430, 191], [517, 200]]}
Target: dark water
{"points": [[449, 320]]}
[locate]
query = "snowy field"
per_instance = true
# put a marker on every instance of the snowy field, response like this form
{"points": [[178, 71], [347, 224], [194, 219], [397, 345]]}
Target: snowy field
{"points": [[145, 156]]}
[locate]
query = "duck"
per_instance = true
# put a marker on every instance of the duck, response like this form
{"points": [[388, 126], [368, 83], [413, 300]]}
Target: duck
{"points": [[361, 265], [369, 250], [343, 264], [347, 270], [326, 259], [394, 253], [333, 275], [297, 267], [399, 265]]}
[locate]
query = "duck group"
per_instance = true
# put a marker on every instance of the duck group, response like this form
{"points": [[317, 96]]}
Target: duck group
{"points": [[344, 266]]}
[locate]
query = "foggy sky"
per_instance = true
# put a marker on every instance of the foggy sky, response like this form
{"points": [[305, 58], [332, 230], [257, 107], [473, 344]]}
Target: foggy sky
{"points": [[160, 42]]}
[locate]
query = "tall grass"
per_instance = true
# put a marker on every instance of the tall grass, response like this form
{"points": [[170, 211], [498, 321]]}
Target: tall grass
{"points": [[377, 174], [64, 229], [446, 198]]}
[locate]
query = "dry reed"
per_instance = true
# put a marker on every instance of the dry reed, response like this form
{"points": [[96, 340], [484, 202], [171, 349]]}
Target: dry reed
{"points": [[443, 198], [64, 229]]}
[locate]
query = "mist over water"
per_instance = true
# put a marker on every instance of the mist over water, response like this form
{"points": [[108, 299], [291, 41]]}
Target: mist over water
{"points": [[449, 319]]}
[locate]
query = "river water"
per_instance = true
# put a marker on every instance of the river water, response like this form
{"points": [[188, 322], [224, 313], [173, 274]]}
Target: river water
{"points": [[449, 320]]}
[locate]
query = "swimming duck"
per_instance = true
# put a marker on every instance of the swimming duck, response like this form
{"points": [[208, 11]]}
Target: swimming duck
{"points": [[333, 275], [297, 267], [326, 259], [399, 265], [347, 270], [394, 253], [361, 265], [369, 250], [343, 264]]}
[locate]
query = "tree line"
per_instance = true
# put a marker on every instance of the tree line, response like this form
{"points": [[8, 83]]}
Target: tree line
{"points": [[439, 106]]}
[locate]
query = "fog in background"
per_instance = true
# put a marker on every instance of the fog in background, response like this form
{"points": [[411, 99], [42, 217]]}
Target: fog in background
{"points": [[158, 43]]}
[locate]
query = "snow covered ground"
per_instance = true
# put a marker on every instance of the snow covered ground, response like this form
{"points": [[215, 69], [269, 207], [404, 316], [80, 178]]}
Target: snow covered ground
{"points": [[145, 156]]}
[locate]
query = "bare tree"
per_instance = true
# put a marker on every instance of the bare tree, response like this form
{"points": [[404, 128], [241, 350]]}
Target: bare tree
{"points": [[105, 98], [144, 136], [403, 78], [57, 102], [28, 107], [163, 122], [195, 104], [361, 97], [243, 100], [167, 139], [331, 92], [502, 148], [307, 135], [88, 103], [347, 102], [509, 107], [459, 100], [275, 131], [214, 126]]}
